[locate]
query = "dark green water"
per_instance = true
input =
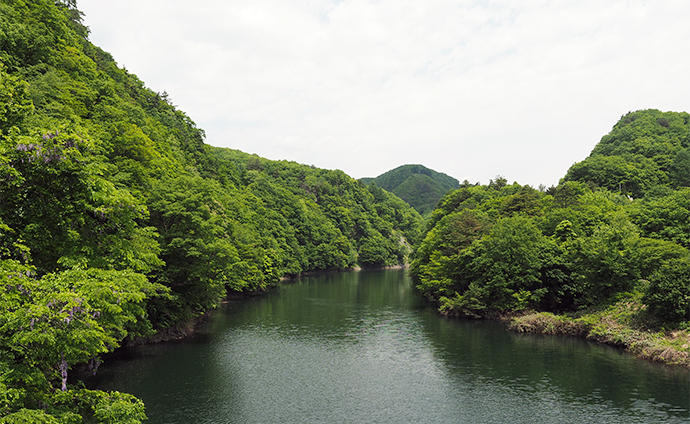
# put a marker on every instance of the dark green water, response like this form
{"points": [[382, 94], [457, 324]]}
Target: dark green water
{"points": [[362, 347]]}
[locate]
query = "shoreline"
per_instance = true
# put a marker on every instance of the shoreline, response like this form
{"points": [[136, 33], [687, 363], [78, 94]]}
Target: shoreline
{"points": [[670, 347], [623, 324], [188, 328], [617, 325], [332, 271]]}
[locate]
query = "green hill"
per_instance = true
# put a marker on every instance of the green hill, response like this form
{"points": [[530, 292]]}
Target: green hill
{"points": [[611, 240], [419, 186], [644, 150]]}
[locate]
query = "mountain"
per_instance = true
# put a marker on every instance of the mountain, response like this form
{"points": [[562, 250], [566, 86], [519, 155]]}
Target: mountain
{"points": [[418, 185]]}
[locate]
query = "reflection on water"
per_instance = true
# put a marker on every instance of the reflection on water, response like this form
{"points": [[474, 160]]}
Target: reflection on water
{"points": [[362, 347]]}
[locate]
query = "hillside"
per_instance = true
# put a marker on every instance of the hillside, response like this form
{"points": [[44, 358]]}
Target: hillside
{"points": [[117, 220], [607, 249], [644, 150], [418, 185]]}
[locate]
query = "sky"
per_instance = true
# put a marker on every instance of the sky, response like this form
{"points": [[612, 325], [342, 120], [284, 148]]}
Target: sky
{"points": [[471, 88]]}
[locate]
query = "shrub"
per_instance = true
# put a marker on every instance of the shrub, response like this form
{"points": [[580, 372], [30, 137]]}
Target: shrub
{"points": [[668, 296]]}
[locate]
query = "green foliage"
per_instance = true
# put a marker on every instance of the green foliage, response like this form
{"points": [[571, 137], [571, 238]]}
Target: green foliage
{"points": [[336, 221], [500, 248], [668, 296], [71, 317], [503, 270], [665, 217], [116, 219], [645, 149], [30, 416], [205, 245], [82, 406], [679, 169], [573, 246], [56, 200], [105, 407], [417, 185], [15, 104], [631, 174], [605, 263], [50, 324]]}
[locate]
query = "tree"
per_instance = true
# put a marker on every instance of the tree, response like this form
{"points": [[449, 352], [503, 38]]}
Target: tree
{"points": [[195, 241], [73, 316], [50, 324], [668, 295], [15, 104], [606, 262], [57, 201], [680, 169], [666, 217], [632, 175]]}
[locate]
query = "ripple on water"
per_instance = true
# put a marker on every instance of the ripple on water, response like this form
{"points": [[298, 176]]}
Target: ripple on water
{"points": [[361, 348]]}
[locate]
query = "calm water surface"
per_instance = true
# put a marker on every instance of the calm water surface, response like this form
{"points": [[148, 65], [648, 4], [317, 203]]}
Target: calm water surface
{"points": [[362, 347]]}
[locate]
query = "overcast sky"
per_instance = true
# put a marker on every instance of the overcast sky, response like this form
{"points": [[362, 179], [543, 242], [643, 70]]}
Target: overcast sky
{"points": [[473, 89]]}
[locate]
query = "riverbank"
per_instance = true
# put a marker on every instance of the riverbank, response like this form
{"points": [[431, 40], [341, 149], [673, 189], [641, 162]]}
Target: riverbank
{"points": [[365, 346], [623, 324], [333, 271], [188, 328]]}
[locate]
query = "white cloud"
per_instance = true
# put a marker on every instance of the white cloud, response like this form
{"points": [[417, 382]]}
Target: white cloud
{"points": [[470, 88]]}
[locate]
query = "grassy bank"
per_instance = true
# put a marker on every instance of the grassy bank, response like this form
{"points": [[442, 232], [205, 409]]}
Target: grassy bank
{"points": [[624, 324]]}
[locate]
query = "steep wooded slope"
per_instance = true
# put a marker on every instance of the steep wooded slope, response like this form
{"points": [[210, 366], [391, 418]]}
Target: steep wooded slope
{"points": [[644, 150], [116, 219], [616, 227]]}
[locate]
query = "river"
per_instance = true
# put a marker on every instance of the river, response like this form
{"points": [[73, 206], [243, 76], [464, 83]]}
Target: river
{"points": [[363, 347]]}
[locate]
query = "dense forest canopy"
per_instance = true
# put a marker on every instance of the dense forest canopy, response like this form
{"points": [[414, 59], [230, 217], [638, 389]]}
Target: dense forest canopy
{"points": [[616, 225], [418, 185], [116, 220], [646, 150]]}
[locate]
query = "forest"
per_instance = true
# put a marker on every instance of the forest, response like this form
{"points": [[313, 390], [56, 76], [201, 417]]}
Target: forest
{"points": [[118, 222], [417, 185], [604, 254]]}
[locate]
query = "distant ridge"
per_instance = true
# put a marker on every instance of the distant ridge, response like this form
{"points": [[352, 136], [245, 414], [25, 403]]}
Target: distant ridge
{"points": [[418, 185]]}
